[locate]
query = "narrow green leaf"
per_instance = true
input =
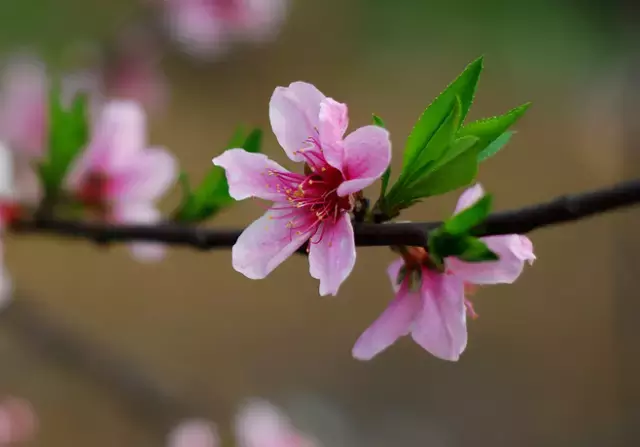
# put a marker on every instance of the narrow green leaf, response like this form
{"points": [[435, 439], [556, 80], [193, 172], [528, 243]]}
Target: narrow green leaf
{"points": [[68, 136], [432, 118], [441, 140], [212, 194], [378, 121], [457, 173], [252, 143], [470, 217], [476, 251], [384, 182], [495, 146], [459, 146], [464, 247], [237, 139], [424, 162], [490, 129]]}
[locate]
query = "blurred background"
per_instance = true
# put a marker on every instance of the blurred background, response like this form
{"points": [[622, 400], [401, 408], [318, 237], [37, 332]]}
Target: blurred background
{"points": [[553, 360]]}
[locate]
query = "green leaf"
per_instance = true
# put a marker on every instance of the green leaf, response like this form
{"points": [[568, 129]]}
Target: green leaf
{"points": [[490, 129], [212, 195], [456, 173], [384, 182], [439, 144], [468, 218], [378, 121], [495, 146], [434, 116], [68, 136], [462, 246], [476, 251], [457, 148]]}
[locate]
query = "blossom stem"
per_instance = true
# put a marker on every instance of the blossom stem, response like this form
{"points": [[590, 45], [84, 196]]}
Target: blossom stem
{"points": [[563, 209]]}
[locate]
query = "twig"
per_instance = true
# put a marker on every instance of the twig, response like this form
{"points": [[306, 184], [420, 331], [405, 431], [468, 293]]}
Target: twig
{"points": [[520, 221]]}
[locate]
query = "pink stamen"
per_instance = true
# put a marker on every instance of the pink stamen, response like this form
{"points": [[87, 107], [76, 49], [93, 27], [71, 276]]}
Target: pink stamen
{"points": [[311, 199], [470, 310]]}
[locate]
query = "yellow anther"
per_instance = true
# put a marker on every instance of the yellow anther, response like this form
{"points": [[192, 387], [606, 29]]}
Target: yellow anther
{"points": [[323, 169]]}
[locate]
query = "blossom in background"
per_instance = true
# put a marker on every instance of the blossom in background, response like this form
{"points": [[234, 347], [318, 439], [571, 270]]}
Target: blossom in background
{"points": [[119, 175], [260, 424], [130, 69], [193, 433], [431, 306], [313, 206], [8, 210], [24, 91], [207, 27], [18, 422], [24, 95], [257, 424]]}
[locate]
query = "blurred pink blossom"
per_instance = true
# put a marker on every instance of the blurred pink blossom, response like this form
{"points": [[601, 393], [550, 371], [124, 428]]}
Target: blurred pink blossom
{"points": [[431, 306], [207, 27], [261, 424], [24, 91], [193, 433], [18, 422], [120, 176], [130, 69], [313, 206], [24, 95], [9, 209]]}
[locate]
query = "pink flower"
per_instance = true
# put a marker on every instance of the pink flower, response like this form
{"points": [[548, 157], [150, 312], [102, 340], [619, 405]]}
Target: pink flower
{"points": [[431, 306], [260, 424], [206, 27], [131, 69], [313, 206], [23, 116], [18, 421], [119, 176], [194, 433], [9, 209], [23, 106]]}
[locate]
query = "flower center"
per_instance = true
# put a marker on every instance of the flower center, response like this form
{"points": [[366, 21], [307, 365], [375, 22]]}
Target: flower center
{"points": [[93, 189], [312, 198]]}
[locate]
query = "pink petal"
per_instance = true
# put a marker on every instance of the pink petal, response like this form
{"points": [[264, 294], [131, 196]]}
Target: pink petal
{"points": [[393, 271], [195, 25], [23, 122], [470, 196], [140, 213], [441, 327], [121, 131], [18, 421], [262, 18], [331, 260], [193, 433], [265, 244], [294, 115], [334, 120], [514, 250], [367, 154], [119, 135], [248, 174], [6, 284], [261, 424], [395, 322], [148, 177]]}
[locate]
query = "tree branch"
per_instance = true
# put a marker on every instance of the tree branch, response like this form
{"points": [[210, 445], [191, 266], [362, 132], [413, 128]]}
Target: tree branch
{"points": [[520, 221]]}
